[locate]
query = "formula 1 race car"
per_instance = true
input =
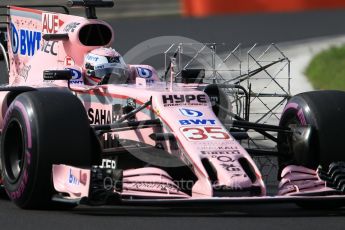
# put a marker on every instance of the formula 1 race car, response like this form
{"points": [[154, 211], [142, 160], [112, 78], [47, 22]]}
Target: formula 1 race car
{"points": [[143, 141]]}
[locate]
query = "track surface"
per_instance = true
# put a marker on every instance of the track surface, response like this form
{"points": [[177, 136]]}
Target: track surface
{"points": [[239, 217], [246, 29]]}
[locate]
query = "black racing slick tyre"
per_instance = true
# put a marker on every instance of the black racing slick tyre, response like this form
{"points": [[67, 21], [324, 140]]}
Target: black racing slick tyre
{"points": [[324, 111], [42, 128], [1, 55]]}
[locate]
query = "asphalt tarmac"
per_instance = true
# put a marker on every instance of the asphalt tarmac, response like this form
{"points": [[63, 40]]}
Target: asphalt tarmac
{"points": [[268, 217], [247, 29]]}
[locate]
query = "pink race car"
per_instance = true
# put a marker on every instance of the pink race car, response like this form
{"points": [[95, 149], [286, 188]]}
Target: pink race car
{"points": [[80, 126]]}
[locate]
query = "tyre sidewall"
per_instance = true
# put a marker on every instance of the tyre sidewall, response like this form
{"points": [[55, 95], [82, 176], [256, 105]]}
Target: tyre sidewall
{"points": [[298, 110], [324, 111], [19, 190], [60, 134]]}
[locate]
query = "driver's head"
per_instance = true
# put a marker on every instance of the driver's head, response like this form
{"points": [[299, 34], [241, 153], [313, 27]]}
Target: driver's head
{"points": [[102, 63]]}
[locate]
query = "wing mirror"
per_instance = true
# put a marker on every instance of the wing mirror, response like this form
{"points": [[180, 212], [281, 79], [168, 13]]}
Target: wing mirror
{"points": [[52, 75]]}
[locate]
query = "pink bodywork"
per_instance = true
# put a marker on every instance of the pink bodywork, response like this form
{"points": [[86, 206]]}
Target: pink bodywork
{"points": [[71, 180], [222, 150], [198, 131]]}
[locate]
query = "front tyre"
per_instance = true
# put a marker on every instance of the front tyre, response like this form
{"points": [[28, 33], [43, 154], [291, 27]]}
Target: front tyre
{"points": [[42, 128], [324, 111]]}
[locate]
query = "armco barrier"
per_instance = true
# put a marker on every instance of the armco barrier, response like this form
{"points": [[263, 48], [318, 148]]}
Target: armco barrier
{"points": [[201, 8]]}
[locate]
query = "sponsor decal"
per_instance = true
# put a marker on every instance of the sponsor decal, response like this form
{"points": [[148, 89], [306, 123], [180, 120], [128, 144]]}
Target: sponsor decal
{"points": [[150, 186], [227, 148], [104, 116], [14, 38], [143, 82], [144, 73], [213, 145], [205, 133], [231, 168], [188, 99], [24, 72], [198, 122], [69, 61], [76, 76], [220, 153], [214, 99], [74, 180], [92, 57], [71, 27], [51, 23], [50, 47], [226, 161], [99, 67], [191, 113], [25, 42], [109, 164], [224, 158]]}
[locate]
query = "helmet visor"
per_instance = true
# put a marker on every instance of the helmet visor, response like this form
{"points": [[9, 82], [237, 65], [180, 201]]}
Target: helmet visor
{"points": [[100, 73], [118, 73]]}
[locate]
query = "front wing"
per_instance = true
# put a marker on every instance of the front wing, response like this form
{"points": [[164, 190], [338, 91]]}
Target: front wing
{"points": [[298, 185]]}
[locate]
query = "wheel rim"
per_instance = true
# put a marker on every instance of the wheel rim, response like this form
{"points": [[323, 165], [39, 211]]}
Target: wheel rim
{"points": [[288, 154], [14, 147]]}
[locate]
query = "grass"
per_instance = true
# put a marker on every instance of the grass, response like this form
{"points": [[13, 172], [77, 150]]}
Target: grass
{"points": [[327, 69]]}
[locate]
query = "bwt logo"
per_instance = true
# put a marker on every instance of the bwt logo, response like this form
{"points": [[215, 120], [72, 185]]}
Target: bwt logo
{"points": [[191, 113], [72, 179], [76, 76], [25, 42], [198, 122]]}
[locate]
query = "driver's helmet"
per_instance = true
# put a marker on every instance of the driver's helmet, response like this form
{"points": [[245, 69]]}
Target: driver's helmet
{"points": [[101, 64]]}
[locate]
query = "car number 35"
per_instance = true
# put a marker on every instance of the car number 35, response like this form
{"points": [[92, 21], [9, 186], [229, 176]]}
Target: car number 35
{"points": [[205, 133]]}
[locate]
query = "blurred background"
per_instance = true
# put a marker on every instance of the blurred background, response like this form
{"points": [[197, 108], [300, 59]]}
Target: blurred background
{"points": [[230, 21], [202, 8]]}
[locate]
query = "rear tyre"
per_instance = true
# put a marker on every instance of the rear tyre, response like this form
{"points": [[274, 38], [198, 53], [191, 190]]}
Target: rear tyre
{"points": [[1, 55], [42, 128]]}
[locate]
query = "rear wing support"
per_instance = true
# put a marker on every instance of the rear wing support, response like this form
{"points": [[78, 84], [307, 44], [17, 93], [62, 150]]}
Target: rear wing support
{"points": [[90, 6]]}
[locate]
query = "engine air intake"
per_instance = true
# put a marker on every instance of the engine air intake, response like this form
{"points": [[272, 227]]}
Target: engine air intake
{"points": [[95, 35]]}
